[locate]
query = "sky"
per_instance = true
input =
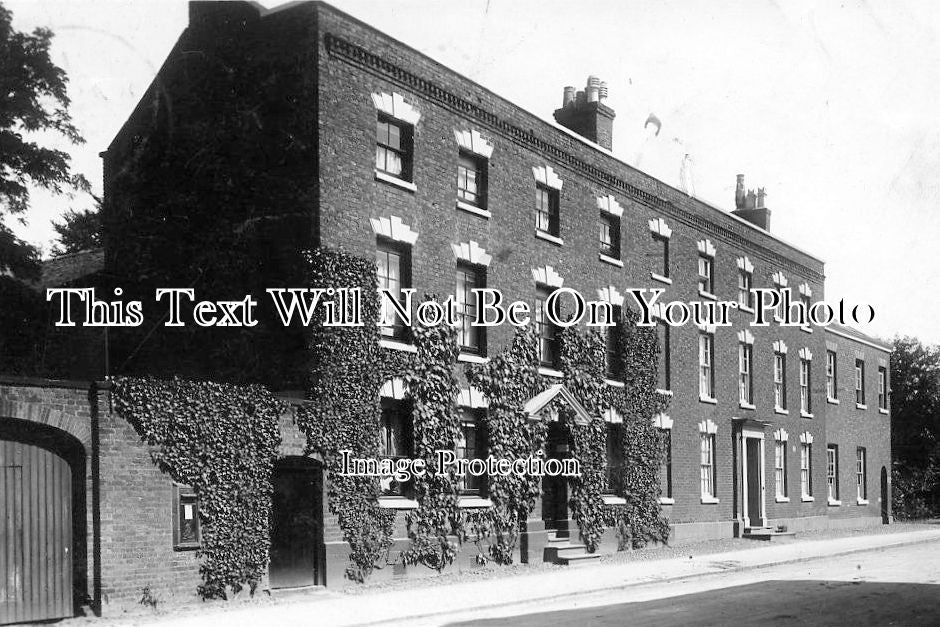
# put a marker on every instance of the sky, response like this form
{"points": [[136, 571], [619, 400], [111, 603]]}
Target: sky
{"points": [[832, 107]]}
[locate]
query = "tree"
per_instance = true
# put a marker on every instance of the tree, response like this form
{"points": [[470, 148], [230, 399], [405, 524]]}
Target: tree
{"points": [[78, 230], [915, 426], [33, 100]]}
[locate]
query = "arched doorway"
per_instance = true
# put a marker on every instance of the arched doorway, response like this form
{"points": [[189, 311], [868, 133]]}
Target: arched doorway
{"points": [[42, 522], [297, 553]]}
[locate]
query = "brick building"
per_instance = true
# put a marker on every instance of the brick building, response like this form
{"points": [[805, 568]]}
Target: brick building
{"points": [[449, 186]]}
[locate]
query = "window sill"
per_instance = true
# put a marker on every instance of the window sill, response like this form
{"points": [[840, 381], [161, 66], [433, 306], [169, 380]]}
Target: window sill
{"points": [[468, 502], [660, 278], [806, 329], [745, 308], [551, 372], [832, 401], [477, 211], [397, 502], [662, 392], [548, 237], [394, 180], [187, 546], [398, 346], [833, 502], [614, 384], [747, 406], [667, 500], [470, 358], [707, 295], [707, 399], [882, 411], [610, 499], [783, 499], [860, 406], [709, 500], [861, 501], [804, 414], [611, 260], [807, 499], [781, 411]]}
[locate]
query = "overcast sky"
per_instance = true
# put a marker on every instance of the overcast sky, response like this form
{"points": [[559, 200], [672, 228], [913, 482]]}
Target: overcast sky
{"points": [[833, 107]]}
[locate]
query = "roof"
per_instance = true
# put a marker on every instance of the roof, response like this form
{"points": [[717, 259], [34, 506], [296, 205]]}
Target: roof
{"points": [[262, 12], [856, 335], [70, 267]]}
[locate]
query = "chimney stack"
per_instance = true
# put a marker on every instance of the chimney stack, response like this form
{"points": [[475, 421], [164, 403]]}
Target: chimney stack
{"points": [[750, 205], [585, 113]]}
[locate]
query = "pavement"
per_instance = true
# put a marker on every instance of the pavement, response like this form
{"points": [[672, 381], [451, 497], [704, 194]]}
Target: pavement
{"points": [[529, 592]]}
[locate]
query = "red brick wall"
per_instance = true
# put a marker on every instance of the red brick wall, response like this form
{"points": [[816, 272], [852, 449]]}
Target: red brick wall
{"points": [[850, 427], [351, 195]]}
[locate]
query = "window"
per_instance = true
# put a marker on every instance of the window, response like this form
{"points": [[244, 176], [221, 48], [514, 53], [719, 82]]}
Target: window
{"points": [[832, 392], [614, 356], [614, 458], [780, 468], [660, 255], [806, 401], [546, 331], [706, 363], [745, 375], [806, 469], [471, 179], [394, 273], [393, 149], [395, 440], [665, 468], [708, 465], [882, 388], [832, 471], [546, 209], [665, 360], [609, 228], [745, 282], [471, 444], [472, 338], [780, 380], [186, 530], [860, 381], [807, 302], [706, 276], [861, 474]]}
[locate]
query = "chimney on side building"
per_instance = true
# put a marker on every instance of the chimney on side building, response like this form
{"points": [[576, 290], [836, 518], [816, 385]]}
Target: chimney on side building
{"points": [[585, 113], [750, 205]]}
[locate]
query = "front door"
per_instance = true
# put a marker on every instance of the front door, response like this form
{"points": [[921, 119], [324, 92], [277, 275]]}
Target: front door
{"points": [[555, 489], [296, 524], [753, 482]]}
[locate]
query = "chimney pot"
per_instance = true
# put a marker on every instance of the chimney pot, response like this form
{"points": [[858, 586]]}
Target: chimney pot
{"points": [[585, 114], [569, 97]]}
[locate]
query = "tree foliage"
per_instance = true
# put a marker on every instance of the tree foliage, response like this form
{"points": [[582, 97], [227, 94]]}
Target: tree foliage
{"points": [[915, 427], [33, 99], [78, 230]]}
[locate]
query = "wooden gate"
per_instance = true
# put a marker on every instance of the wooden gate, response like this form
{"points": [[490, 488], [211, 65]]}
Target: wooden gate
{"points": [[35, 534]]}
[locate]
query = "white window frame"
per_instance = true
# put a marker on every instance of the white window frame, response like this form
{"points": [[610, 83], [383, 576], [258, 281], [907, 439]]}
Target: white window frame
{"points": [[781, 485], [708, 471], [806, 467], [861, 475], [706, 366]]}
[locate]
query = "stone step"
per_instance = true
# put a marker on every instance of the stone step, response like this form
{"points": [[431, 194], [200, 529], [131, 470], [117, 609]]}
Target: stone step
{"points": [[578, 560], [553, 552], [768, 534]]}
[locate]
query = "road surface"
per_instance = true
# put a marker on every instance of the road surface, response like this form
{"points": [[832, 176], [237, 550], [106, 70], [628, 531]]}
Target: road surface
{"points": [[892, 586]]}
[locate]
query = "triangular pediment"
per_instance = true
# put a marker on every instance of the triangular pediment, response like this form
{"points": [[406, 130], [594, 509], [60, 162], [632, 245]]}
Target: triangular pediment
{"points": [[540, 404]]}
